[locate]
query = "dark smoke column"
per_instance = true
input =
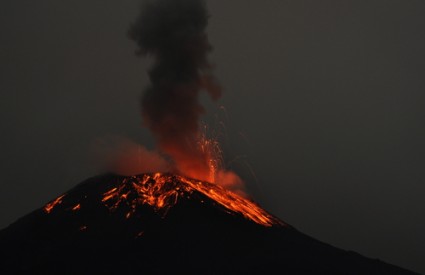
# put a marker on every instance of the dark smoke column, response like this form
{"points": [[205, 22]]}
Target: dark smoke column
{"points": [[173, 33]]}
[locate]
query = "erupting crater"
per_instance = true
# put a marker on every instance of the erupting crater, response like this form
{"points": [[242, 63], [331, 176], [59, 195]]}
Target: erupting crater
{"points": [[163, 191]]}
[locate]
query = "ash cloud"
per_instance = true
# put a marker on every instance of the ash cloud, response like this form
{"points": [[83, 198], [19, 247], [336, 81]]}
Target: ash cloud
{"points": [[173, 33]]}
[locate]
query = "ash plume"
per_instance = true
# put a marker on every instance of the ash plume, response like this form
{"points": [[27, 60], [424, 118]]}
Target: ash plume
{"points": [[173, 33]]}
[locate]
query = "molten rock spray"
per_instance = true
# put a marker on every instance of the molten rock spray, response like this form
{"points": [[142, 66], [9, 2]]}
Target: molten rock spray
{"points": [[173, 33]]}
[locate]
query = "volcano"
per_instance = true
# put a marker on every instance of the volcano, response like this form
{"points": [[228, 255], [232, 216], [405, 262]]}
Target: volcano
{"points": [[166, 224]]}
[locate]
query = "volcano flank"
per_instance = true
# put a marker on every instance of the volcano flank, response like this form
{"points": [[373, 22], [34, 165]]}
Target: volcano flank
{"points": [[166, 224]]}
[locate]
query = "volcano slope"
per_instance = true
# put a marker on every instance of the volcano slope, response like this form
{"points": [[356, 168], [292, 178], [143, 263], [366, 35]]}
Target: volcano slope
{"points": [[166, 224]]}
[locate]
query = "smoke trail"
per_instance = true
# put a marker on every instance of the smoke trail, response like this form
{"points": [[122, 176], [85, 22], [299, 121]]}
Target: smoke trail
{"points": [[173, 33]]}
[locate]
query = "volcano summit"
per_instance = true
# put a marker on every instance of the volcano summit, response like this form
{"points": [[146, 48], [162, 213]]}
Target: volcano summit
{"points": [[166, 224]]}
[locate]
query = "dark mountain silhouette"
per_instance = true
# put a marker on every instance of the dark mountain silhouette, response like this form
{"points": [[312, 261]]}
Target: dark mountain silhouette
{"points": [[166, 224]]}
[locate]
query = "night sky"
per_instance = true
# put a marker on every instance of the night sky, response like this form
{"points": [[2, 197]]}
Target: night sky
{"points": [[323, 109]]}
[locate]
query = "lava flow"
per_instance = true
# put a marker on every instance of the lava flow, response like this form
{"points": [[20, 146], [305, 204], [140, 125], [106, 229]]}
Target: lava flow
{"points": [[163, 191], [48, 207]]}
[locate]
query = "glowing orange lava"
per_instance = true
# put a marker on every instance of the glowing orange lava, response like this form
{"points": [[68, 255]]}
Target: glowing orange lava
{"points": [[77, 207], [48, 207], [162, 191]]}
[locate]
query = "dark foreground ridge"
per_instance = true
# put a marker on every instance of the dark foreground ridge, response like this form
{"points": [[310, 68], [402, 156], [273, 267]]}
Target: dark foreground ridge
{"points": [[126, 225]]}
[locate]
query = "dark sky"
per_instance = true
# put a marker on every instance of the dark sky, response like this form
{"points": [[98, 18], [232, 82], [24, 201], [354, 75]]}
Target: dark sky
{"points": [[324, 102]]}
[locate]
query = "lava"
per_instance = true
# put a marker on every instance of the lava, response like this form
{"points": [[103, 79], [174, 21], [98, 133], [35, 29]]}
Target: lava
{"points": [[162, 191], [49, 207], [76, 207]]}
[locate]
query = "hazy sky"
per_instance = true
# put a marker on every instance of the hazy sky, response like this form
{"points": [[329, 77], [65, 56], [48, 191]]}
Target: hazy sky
{"points": [[324, 109]]}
